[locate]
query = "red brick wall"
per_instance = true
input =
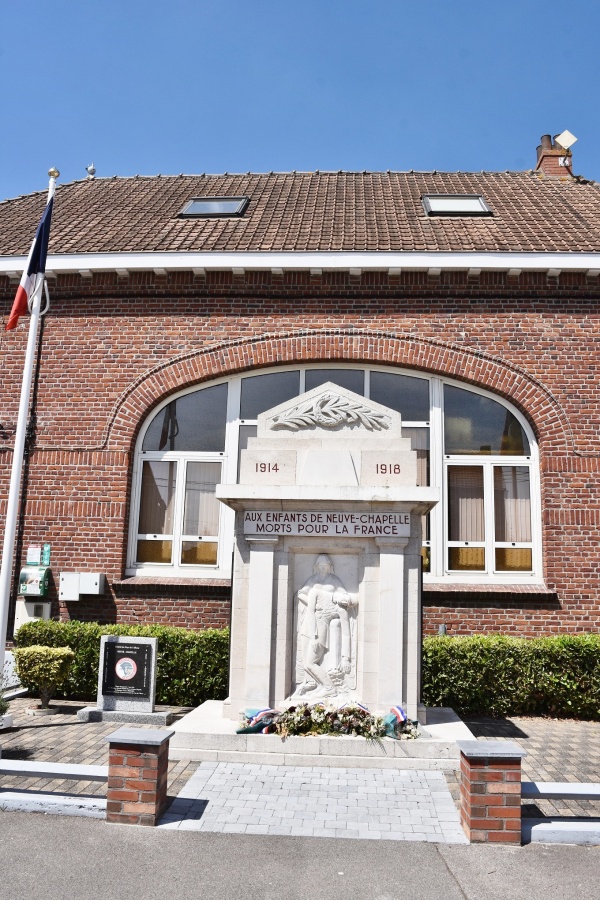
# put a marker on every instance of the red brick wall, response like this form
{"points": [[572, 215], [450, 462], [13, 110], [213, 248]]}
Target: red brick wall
{"points": [[114, 347]]}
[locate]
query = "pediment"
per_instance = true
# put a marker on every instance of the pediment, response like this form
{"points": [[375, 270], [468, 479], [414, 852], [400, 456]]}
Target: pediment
{"points": [[329, 409]]}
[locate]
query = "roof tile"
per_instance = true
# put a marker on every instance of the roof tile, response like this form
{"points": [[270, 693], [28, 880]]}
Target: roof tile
{"points": [[310, 211]]}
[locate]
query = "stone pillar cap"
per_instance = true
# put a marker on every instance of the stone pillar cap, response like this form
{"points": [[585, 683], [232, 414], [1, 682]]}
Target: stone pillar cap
{"points": [[497, 749], [142, 736]]}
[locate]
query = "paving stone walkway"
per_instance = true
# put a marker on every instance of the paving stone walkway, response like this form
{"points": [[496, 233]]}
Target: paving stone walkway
{"points": [[558, 750], [307, 801], [62, 738]]}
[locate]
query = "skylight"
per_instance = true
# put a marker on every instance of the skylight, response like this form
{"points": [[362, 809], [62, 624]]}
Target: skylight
{"points": [[214, 207], [455, 205]]}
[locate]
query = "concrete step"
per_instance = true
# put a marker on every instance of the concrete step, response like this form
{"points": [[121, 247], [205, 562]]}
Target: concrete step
{"points": [[560, 790], [561, 831], [206, 735]]}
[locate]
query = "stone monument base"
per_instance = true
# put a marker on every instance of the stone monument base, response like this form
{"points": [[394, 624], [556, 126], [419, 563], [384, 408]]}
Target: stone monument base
{"points": [[93, 714], [205, 735]]}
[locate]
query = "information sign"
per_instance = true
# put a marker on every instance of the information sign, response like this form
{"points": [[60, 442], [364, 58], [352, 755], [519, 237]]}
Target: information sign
{"points": [[333, 523], [127, 670]]}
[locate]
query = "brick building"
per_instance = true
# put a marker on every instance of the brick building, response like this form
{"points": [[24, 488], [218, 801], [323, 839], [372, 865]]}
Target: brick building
{"points": [[181, 307]]}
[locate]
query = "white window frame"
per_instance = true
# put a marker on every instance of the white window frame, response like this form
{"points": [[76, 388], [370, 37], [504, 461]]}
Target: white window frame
{"points": [[438, 466], [222, 569]]}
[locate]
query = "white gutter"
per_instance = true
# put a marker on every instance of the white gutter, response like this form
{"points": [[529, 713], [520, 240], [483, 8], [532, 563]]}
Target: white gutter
{"points": [[88, 263]]}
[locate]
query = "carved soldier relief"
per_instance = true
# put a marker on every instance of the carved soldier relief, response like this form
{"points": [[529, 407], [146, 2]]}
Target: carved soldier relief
{"points": [[326, 637]]}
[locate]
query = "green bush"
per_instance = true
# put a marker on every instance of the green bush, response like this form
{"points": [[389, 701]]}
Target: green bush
{"points": [[479, 675], [43, 669], [499, 676], [192, 666]]}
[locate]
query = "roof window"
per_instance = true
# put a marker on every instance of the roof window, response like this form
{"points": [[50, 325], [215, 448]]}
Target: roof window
{"points": [[455, 205], [214, 207]]}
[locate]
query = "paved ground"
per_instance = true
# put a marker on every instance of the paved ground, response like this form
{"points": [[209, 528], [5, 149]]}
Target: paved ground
{"points": [[317, 802], [558, 750], [61, 738]]}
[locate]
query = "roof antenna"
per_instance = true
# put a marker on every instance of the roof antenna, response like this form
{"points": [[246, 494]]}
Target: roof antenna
{"points": [[565, 140], [91, 172]]}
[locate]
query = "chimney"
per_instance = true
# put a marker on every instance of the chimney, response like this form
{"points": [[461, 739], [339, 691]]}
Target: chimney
{"points": [[552, 158]]}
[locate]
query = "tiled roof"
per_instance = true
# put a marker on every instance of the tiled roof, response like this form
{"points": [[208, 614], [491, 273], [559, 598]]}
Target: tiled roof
{"points": [[316, 211]]}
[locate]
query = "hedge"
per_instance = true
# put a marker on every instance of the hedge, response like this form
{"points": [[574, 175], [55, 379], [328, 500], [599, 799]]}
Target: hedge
{"points": [[192, 666], [479, 675], [500, 676]]}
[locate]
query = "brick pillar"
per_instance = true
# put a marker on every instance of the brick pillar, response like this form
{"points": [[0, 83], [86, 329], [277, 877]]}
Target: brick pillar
{"points": [[490, 790], [138, 760]]}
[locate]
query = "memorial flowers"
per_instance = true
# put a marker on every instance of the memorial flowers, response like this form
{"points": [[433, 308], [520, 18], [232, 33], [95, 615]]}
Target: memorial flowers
{"points": [[352, 719], [321, 718]]}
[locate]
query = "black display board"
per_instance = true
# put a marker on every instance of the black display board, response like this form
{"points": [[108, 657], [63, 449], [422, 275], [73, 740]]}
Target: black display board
{"points": [[127, 671]]}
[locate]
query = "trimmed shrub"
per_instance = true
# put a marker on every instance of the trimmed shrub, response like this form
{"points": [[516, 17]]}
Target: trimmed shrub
{"points": [[43, 669], [498, 676], [192, 666]]}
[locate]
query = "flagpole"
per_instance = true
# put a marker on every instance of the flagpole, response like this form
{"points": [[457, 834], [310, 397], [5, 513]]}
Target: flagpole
{"points": [[10, 528]]}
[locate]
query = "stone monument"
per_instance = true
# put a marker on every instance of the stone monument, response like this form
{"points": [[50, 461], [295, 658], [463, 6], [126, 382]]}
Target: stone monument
{"points": [[326, 588], [126, 682]]}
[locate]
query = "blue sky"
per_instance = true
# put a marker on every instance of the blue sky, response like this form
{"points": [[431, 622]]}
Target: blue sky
{"points": [[142, 86]]}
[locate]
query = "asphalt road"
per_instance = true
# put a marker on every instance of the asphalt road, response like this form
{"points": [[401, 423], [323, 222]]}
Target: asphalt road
{"points": [[60, 858]]}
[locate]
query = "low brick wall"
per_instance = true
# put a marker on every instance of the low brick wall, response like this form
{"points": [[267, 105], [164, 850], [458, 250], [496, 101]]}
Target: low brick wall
{"points": [[138, 762], [490, 791]]}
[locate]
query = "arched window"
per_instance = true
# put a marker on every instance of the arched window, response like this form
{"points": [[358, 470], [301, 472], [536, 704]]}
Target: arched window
{"points": [[477, 449]]}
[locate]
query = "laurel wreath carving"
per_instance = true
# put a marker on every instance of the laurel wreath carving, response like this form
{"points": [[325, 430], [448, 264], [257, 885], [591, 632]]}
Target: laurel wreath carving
{"points": [[328, 411]]}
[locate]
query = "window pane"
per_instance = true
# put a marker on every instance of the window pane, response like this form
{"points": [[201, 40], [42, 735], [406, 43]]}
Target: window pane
{"points": [[215, 206], [513, 559], [246, 431], [192, 422], [512, 506], [465, 503], [351, 379], [409, 396], [199, 553], [419, 441], [466, 559], [266, 391], [476, 424], [455, 204], [426, 557], [154, 551], [157, 497], [201, 507]]}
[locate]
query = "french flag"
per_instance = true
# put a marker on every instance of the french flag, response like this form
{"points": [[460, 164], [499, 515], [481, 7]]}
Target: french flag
{"points": [[399, 713], [36, 268]]}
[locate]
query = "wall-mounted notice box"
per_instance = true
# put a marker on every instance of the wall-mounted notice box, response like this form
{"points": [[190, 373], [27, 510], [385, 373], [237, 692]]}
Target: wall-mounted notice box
{"points": [[73, 584], [91, 583], [68, 588]]}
